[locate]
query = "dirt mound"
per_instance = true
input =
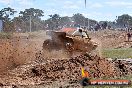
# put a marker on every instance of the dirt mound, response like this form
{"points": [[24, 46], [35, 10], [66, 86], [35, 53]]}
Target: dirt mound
{"points": [[59, 70], [19, 51], [124, 66], [125, 45], [15, 52], [109, 38]]}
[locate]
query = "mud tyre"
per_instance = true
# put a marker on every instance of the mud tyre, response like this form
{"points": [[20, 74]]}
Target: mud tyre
{"points": [[47, 45]]}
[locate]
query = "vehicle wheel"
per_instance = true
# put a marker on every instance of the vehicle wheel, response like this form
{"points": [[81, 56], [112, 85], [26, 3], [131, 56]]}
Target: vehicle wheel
{"points": [[47, 45], [69, 44]]}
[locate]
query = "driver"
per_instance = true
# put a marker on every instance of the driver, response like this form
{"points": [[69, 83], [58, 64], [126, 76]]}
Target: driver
{"points": [[80, 32]]}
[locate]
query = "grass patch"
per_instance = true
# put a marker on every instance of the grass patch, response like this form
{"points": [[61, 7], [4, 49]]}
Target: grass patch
{"points": [[117, 53]]}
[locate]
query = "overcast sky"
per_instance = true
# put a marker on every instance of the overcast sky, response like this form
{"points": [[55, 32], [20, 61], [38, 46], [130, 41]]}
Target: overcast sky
{"points": [[96, 9]]}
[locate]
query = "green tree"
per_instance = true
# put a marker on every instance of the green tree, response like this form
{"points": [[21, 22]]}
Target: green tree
{"points": [[48, 24], [65, 21], [19, 24], [5, 15], [124, 19], [90, 22], [54, 21], [79, 19], [34, 15]]}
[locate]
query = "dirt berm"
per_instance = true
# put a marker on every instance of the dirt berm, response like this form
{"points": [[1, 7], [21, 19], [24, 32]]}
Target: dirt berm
{"points": [[56, 70]]}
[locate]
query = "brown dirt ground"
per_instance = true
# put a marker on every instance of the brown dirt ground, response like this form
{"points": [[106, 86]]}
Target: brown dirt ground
{"points": [[18, 53]]}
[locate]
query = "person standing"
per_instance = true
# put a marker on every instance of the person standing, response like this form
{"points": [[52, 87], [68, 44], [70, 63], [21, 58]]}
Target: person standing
{"points": [[129, 36]]}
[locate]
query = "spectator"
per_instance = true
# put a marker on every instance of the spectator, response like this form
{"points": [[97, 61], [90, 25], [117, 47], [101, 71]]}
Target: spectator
{"points": [[129, 36]]}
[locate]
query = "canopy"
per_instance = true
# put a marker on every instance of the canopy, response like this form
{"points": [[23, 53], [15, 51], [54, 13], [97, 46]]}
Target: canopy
{"points": [[68, 29]]}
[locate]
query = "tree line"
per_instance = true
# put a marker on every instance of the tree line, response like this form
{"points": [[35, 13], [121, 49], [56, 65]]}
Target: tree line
{"points": [[31, 19]]}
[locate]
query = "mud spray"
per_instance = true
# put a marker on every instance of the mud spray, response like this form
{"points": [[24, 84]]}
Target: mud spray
{"points": [[98, 50]]}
